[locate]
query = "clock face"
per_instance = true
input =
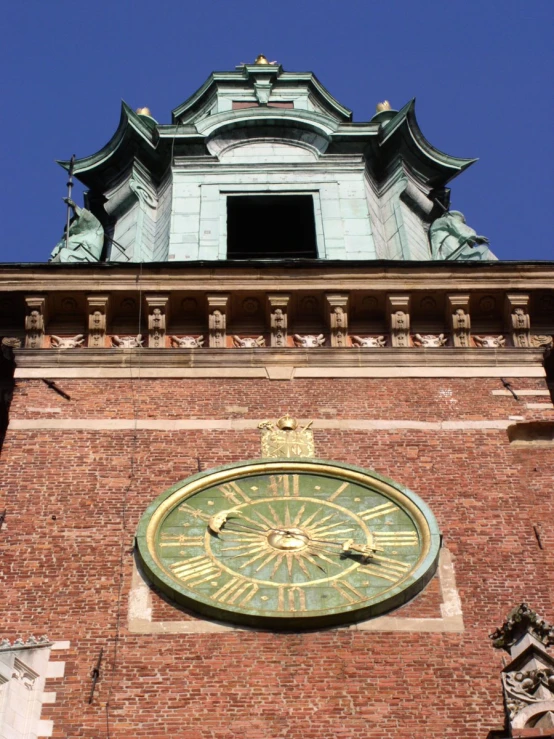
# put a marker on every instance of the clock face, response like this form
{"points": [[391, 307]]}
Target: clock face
{"points": [[289, 543]]}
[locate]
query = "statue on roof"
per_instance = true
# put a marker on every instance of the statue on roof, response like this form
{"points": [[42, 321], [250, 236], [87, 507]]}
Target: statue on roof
{"points": [[84, 240], [451, 238]]}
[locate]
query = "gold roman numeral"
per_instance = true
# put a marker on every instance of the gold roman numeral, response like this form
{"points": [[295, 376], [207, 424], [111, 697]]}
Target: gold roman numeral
{"points": [[180, 540], [378, 511], [339, 490], [387, 568], [291, 598], [395, 538], [348, 592], [195, 570], [236, 590], [234, 493], [284, 486]]}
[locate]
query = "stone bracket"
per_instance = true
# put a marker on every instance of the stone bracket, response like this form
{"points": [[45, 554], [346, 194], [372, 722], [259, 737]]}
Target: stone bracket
{"points": [[398, 316], [338, 318], [517, 319], [97, 320], [35, 321], [158, 308], [217, 319], [458, 319], [278, 306]]}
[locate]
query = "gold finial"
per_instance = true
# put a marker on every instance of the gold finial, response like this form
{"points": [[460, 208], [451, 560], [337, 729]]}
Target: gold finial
{"points": [[287, 423], [144, 111], [385, 105], [260, 59]]}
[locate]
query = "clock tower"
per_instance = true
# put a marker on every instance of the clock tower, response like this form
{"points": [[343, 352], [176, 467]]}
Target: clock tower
{"points": [[278, 439]]}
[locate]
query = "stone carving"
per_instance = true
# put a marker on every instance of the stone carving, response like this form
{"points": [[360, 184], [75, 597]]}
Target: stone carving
{"points": [[285, 439], [490, 342], [541, 340], [11, 342], [97, 309], [157, 320], [528, 679], [338, 318], [35, 321], [461, 327], [278, 305], [522, 620], [400, 324], [279, 327], [309, 340], [452, 238], [248, 342], [85, 241], [24, 674], [250, 306], [187, 342], [217, 320], [376, 342], [127, 342], [520, 327], [31, 642], [429, 340], [75, 342]]}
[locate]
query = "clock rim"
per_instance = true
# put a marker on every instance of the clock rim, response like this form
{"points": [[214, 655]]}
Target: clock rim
{"points": [[417, 509]]}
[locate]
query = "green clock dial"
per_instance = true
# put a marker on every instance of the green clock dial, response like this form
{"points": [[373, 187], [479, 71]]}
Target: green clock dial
{"points": [[289, 543]]}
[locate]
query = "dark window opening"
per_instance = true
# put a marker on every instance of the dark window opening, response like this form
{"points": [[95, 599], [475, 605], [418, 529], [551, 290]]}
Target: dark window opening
{"points": [[270, 227]]}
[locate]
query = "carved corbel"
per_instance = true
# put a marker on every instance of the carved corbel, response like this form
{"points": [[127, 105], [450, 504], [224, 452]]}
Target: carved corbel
{"points": [[217, 320], [528, 679], [398, 312], [338, 318], [459, 319], [518, 321], [157, 319], [278, 305], [35, 321], [97, 320]]}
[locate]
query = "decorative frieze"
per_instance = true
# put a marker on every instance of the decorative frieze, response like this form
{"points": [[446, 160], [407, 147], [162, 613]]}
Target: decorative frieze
{"points": [[73, 342], [157, 319], [278, 306], [308, 341], [97, 320], [127, 342], [187, 342], [248, 342], [374, 342], [490, 342], [338, 318], [518, 321], [458, 319], [35, 321], [429, 340], [398, 313], [217, 320]]}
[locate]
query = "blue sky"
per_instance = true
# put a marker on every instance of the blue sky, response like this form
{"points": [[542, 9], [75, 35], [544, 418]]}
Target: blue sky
{"points": [[481, 71]]}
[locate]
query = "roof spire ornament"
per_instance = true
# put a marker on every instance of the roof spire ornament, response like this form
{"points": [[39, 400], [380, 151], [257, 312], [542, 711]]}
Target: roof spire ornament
{"points": [[144, 111], [380, 107]]}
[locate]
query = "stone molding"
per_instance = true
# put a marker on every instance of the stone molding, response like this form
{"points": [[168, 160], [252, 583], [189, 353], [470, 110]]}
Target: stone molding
{"points": [[140, 621]]}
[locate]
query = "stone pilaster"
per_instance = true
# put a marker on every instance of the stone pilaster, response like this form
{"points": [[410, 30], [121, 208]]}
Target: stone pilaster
{"points": [[278, 305], [398, 316], [157, 319], [518, 322], [97, 320], [458, 319], [35, 321], [217, 319], [338, 318]]}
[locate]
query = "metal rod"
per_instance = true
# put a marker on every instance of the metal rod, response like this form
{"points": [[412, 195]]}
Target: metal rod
{"points": [[95, 675], [69, 189]]}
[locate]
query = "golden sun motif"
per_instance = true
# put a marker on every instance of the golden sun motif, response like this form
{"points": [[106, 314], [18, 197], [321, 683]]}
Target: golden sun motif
{"points": [[286, 542]]}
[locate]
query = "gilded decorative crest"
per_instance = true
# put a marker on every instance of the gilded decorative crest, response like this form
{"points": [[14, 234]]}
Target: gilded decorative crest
{"points": [[285, 439]]}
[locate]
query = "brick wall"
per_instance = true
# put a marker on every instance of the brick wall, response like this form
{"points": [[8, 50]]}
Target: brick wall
{"points": [[74, 498]]}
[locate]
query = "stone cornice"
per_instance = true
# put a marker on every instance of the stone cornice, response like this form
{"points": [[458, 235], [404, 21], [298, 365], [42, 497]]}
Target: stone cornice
{"points": [[323, 357], [282, 277]]}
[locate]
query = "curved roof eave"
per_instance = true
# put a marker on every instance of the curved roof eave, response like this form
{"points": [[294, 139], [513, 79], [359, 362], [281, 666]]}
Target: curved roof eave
{"points": [[129, 123], [252, 116], [405, 122]]}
